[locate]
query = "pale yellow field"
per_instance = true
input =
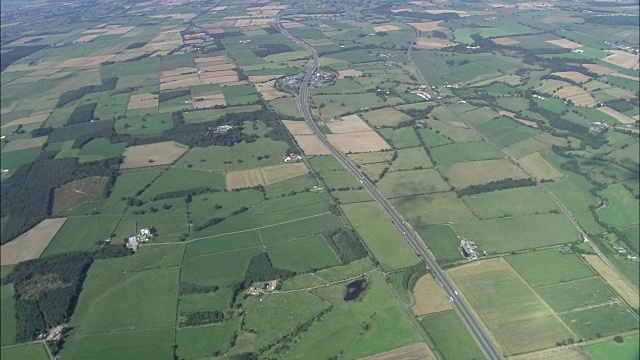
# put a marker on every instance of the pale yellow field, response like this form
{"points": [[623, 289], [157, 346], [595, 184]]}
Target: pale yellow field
{"points": [[577, 95], [85, 61], [505, 41], [617, 115], [433, 43], [31, 244], [599, 69], [443, 11], [243, 179], [177, 72], [351, 72], [427, 26], [385, 28], [562, 19], [21, 144], [213, 68], [348, 124], [87, 38], [183, 81], [573, 75], [142, 101], [273, 94], [214, 79], [540, 168], [480, 172], [152, 154], [567, 44], [564, 353], [623, 59], [311, 145], [297, 127], [209, 99], [429, 297], [262, 78], [358, 142], [418, 351], [622, 287]]}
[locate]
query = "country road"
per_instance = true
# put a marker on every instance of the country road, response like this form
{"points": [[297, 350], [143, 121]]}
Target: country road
{"points": [[466, 315]]}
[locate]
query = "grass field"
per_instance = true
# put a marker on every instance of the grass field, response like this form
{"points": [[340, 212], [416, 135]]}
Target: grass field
{"points": [[480, 172], [411, 158], [612, 350], [404, 137], [622, 210], [576, 294], [355, 329], [7, 315], [381, 237], [412, 182], [504, 302], [421, 210], [152, 343], [201, 341], [510, 202], [461, 152], [299, 228], [224, 243], [292, 213], [229, 267], [238, 157], [80, 233], [560, 267], [182, 179], [442, 241], [450, 336], [122, 305], [603, 320], [303, 254], [516, 233], [29, 351], [385, 117], [573, 191]]}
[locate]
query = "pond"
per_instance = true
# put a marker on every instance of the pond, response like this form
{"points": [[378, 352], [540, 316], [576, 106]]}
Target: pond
{"points": [[354, 289]]}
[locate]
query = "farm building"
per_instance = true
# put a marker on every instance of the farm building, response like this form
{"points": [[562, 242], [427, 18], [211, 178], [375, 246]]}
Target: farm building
{"points": [[292, 158], [261, 287]]}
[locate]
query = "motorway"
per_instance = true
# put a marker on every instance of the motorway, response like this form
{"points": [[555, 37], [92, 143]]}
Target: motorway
{"points": [[466, 315]]}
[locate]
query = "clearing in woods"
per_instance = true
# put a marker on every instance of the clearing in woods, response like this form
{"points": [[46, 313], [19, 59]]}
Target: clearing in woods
{"points": [[429, 297], [163, 153], [142, 101], [418, 351], [505, 41], [77, 191], [263, 176], [30, 244]]}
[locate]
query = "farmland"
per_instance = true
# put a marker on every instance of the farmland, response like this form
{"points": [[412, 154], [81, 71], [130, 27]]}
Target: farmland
{"points": [[173, 125]]}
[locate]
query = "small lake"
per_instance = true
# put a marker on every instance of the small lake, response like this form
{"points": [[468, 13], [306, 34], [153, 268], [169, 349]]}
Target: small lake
{"points": [[354, 289]]}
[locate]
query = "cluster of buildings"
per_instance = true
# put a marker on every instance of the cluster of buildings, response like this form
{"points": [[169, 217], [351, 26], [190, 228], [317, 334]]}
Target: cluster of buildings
{"points": [[262, 287], [291, 158], [143, 236], [319, 79], [598, 127], [469, 249]]}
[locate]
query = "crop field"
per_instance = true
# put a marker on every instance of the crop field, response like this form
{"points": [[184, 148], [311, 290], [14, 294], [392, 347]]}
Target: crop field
{"points": [[412, 352], [450, 336], [381, 237], [302, 254], [612, 350], [480, 172], [577, 95], [603, 320], [31, 244], [421, 210], [358, 142], [565, 353], [540, 168], [561, 267], [576, 294], [80, 233], [405, 183], [504, 301], [516, 233], [623, 59], [429, 297], [21, 144], [263, 176], [613, 278], [461, 152], [509, 202], [152, 155]]}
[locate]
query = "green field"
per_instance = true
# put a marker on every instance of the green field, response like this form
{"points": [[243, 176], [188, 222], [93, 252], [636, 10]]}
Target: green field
{"points": [[603, 320], [576, 294], [224, 243], [143, 125], [22, 352], [298, 228], [409, 159], [81, 233], [431, 139], [218, 300], [405, 183], [510, 202], [461, 152], [183, 179], [627, 350], [517, 233], [623, 209], [503, 301], [385, 117], [560, 267], [341, 179], [421, 210], [150, 344], [303, 254], [573, 192], [228, 267], [325, 163], [465, 174], [442, 241], [380, 235], [7, 316], [202, 341], [404, 138], [355, 329], [451, 337]]}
